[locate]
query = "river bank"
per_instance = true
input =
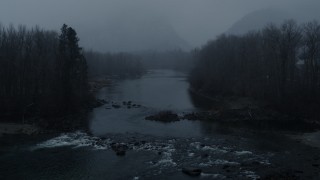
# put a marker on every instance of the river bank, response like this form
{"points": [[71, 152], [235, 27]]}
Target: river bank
{"points": [[120, 144], [230, 111], [15, 128], [246, 111], [71, 122]]}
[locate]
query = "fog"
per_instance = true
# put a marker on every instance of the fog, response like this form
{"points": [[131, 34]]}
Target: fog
{"points": [[159, 89], [127, 25]]}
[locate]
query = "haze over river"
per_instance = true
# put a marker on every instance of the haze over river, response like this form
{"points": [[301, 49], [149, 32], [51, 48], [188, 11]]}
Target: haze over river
{"points": [[157, 150]]}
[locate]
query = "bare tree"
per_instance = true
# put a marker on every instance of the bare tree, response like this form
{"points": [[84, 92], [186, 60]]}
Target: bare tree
{"points": [[311, 41]]}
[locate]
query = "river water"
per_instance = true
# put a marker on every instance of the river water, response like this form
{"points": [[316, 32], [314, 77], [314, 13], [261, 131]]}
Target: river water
{"points": [[155, 150], [159, 90]]}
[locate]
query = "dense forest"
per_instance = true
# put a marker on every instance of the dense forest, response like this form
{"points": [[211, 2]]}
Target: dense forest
{"points": [[119, 64], [45, 74], [135, 64], [41, 72], [278, 65], [175, 59]]}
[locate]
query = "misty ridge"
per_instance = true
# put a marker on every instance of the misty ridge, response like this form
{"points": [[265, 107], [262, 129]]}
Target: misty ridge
{"points": [[177, 89], [124, 26]]}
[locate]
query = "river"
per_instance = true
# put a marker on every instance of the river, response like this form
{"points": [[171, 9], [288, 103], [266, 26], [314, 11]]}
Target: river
{"points": [[156, 150]]}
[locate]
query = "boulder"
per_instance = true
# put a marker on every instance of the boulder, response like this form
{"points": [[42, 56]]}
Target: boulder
{"points": [[192, 171], [119, 148], [164, 116], [121, 153], [116, 106]]}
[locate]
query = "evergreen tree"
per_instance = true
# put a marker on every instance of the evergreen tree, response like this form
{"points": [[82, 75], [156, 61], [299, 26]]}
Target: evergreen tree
{"points": [[72, 70]]}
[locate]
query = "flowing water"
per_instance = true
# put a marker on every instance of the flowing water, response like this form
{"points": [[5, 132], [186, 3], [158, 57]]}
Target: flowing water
{"points": [[155, 150]]}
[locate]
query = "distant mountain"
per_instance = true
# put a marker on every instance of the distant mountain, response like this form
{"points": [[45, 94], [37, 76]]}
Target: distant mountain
{"points": [[257, 20], [301, 12], [130, 34]]}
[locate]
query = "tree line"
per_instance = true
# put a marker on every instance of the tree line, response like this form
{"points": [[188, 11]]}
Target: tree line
{"points": [[174, 59], [42, 73], [278, 64], [119, 64]]}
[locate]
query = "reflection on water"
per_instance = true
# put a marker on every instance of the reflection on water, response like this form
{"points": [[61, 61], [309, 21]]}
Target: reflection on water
{"points": [[80, 155], [160, 89], [156, 91]]}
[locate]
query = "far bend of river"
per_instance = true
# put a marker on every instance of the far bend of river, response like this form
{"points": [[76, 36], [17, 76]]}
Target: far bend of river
{"points": [[156, 91], [155, 150]]}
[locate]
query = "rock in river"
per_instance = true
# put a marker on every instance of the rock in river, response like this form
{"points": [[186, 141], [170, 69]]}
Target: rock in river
{"points": [[192, 171], [164, 116], [116, 106], [119, 148]]}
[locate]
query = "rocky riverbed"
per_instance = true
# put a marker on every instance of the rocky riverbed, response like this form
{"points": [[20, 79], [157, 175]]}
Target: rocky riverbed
{"points": [[127, 138], [219, 157]]}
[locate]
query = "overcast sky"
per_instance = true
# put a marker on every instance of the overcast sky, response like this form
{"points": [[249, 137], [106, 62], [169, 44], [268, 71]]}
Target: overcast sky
{"points": [[195, 21]]}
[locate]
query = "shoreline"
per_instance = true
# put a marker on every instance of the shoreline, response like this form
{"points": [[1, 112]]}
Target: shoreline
{"points": [[18, 128], [41, 125], [248, 112]]}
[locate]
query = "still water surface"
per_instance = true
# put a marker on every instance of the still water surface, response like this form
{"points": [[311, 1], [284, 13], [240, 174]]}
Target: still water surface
{"points": [[158, 90]]}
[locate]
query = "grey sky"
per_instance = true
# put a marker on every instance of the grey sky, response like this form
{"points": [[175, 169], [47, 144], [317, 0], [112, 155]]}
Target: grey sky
{"points": [[195, 21]]}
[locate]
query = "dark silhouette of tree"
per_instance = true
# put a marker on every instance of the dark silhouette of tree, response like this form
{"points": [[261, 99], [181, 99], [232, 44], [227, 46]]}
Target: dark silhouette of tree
{"points": [[311, 57], [279, 65], [41, 73], [72, 70]]}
